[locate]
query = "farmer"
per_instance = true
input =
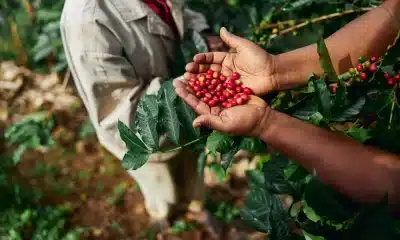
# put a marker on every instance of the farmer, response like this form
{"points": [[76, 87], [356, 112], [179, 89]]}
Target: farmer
{"points": [[118, 50], [363, 173]]}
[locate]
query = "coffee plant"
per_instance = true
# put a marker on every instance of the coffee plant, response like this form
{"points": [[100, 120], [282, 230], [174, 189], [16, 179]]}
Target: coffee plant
{"points": [[361, 103], [21, 215]]}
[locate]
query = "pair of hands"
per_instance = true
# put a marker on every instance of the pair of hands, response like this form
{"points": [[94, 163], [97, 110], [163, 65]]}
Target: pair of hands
{"points": [[256, 69]]}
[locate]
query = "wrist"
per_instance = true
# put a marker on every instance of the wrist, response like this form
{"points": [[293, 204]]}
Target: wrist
{"points": [[267, 124], [291, 69]]}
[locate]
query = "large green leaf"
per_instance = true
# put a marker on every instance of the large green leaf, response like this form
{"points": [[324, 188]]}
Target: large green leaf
{"points": [[133, 142], [186, 117], [322, 96], [219, 142], [257, 210], [323, 200], [151, 103], [147, 127], [169, 117], [325, 61], [279, 220], [350, 111], [134, 160]]}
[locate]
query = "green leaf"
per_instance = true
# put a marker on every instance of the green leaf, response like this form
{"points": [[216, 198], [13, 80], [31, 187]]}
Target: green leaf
{"points": [[309, 236], [170, 121], [42, 53], [350, 111], [340, 97], [227, 158], [275, 180], [253, 145], [186, 117], [134, 160], [219, 142], [325, 61], [359, 134], [256, 212], [294, 172], [309, 212], [324, 201], [256, 178], [322, 97], [146, 125], [133, 142], [279, 220], [219, 171], [151, 103]]}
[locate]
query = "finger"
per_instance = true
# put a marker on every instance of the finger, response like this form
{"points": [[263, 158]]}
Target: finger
{"points": [[210, 121], [232, 40], [200, 68], [210, 57], [198, 106], [189, 75]]}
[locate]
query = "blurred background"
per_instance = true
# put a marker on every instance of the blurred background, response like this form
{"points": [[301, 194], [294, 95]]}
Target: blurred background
{"points": [[56, 181]]}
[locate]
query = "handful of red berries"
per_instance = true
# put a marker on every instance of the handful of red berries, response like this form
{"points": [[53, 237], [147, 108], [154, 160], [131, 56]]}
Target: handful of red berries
{"points": [[215, 89]]}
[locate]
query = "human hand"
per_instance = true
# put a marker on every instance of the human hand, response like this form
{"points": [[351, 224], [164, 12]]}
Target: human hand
{"points": [[255, 65], [215, 44], [242, 120]]}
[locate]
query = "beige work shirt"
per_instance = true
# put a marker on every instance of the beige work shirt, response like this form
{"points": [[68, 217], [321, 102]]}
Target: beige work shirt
{"points": [[117, 50]]}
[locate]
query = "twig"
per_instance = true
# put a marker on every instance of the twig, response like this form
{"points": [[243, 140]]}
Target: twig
{"points": [[66, 79], [323, 18], [313, 20]]}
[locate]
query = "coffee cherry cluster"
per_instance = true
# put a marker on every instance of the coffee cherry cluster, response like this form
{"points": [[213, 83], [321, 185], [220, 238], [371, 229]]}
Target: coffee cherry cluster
{"points": [[392, 80], [215, 89], [365, 67]]}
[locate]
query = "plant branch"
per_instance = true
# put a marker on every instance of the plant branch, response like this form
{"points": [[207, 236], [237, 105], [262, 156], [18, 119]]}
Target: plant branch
{"points": [[185, 145], [310, 21]]}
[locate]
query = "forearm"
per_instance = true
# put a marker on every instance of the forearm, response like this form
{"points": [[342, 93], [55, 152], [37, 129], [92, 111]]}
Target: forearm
{"points": [[368, 35], [360, 172]]}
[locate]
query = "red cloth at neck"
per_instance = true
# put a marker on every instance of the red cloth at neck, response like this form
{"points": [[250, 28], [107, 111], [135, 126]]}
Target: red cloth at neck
{"points": [[161, 8]]}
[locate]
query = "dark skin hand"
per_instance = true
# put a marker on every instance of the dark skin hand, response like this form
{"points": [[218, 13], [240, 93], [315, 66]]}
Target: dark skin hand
{"points": [[362, 173]]}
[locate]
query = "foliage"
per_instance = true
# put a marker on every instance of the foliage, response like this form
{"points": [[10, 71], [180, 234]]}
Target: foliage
{"points": [[367, 111], [30, 33], [21, 217]]}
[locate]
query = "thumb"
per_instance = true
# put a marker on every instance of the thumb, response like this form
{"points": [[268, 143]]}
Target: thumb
{"points": [[210, 121], [230, 39]]}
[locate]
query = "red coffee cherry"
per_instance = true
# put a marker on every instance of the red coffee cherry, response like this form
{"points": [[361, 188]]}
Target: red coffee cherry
{"points": [[239, 89], [222, 78], [222, 98], [239, 101], [374, 59], [205, 99], [210, 72], [209, 77], [363, 76], [373, 68], [390, 82], [387, 76], [359, 67], [397, 77], [247, 91], [216, 75], [333, 89], [199, 94], [245, 97], [235, 76], [208, 95], [212, 103]]}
